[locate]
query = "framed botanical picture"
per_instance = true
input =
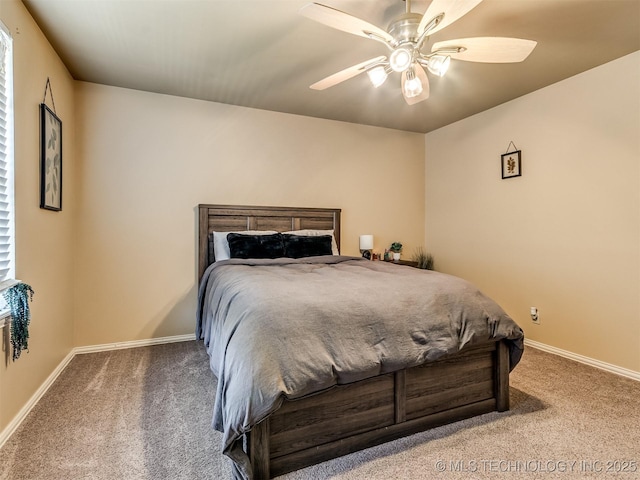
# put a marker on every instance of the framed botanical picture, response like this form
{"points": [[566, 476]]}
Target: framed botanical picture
{"points": [[50, 160], [511, 164]]}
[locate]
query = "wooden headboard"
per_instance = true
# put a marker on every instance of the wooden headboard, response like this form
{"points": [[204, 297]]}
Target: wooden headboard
{"points": [[225, 218]]}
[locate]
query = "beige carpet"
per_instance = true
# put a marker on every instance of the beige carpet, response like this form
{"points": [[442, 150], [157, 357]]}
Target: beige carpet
{"points": [[145, 413]]}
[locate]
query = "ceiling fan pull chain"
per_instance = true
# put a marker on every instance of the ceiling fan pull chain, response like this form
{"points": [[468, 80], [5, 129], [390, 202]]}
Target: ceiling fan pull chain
{"points": [[514, 147]]}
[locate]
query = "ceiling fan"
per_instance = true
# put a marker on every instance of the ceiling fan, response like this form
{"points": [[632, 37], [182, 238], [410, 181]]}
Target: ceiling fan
{"points": [[406, 36]]}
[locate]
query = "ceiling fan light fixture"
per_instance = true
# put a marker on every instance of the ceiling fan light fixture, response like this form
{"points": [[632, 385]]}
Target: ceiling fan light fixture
{"points": [[412, 85], [405, 38], [400, 59], [377, 75], [439, 64]]}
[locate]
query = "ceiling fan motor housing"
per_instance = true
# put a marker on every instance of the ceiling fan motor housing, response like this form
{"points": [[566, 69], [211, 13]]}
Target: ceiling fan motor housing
{"points": [[405, 28]]}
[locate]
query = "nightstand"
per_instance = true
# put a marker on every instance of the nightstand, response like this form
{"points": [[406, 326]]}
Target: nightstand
{"points": [[404, 262]]}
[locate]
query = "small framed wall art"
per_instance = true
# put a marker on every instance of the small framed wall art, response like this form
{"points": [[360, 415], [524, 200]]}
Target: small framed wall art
{"points": [[50, 160], [512, 164]]}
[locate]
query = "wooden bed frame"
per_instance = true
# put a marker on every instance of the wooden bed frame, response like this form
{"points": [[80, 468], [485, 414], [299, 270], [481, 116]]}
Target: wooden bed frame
{"points": [[352, 417]]}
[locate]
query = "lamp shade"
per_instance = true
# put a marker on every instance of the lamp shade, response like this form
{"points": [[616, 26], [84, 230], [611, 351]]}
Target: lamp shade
{"points": [[400, 59], [377, 76], [439, 64], [366, 242], [413, 87]]}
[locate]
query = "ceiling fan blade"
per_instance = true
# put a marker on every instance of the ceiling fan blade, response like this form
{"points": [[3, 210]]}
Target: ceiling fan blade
{"points": [[345, 22], [487, 49], [346, 74], [452, 9], [422, 75]]}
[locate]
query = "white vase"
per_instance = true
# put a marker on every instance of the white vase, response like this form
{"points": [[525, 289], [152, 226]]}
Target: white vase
{"points": [[396, 256]]}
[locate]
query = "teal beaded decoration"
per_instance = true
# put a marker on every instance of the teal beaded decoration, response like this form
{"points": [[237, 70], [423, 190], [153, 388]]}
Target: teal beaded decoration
{"points": [[17, 298]]}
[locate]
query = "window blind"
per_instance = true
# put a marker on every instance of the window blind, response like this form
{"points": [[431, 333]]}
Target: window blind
{"points": [[7, 251]]}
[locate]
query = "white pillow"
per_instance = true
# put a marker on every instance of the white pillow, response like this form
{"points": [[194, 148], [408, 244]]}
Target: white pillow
{"points": [[317, 233], [221, 245]]}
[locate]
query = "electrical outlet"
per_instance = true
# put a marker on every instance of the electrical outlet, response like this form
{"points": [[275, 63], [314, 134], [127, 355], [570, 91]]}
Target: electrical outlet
{"points": [[535, 317]]}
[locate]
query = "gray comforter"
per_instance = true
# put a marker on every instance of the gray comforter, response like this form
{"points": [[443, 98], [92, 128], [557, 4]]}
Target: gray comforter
{"points": [[290, 327]]}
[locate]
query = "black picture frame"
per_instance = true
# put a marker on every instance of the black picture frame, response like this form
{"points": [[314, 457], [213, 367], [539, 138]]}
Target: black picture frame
{"points": [[512, 164], [50, 160]]}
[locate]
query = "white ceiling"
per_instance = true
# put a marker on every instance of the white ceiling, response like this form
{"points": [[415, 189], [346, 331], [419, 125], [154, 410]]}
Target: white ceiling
{"points": [[263, 54]]}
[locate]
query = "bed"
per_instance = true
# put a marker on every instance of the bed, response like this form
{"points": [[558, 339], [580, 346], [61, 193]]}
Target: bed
{"points": [[305, 421]]}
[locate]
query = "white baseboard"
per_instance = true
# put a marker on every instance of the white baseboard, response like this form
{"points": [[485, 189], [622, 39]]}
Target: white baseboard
{"points": [[608, 367], [35, 398], [132, 344]]}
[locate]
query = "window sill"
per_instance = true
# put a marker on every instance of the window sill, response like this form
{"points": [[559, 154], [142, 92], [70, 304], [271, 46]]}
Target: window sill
{"points": [[5, 319], [5, 284], [5, 315]]}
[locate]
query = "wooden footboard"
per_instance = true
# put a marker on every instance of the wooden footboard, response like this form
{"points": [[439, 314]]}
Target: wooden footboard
{"points": [[351, 417]]}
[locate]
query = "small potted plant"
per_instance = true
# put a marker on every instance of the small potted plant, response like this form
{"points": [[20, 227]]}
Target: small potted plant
{"points": [[396, 248]]}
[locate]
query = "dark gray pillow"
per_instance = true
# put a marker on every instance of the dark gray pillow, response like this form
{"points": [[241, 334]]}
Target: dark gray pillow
{"points": [[299, 246], [255, 246]]}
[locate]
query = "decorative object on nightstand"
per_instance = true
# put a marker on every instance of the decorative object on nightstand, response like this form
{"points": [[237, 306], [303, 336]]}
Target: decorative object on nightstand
{"points": [[366, 245], [423, 259], [396, 248]]}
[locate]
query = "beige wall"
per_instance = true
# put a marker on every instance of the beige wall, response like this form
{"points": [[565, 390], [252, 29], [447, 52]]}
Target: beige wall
{"points": [[44, 253], [149, 159], [565, 236]]}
